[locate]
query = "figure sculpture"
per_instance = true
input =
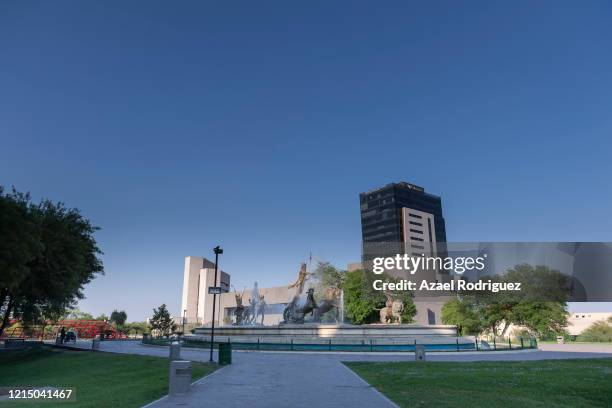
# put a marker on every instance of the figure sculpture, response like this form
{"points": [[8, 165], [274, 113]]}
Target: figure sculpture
{"points": [[261, 309], [240, 315], [301, 279]]}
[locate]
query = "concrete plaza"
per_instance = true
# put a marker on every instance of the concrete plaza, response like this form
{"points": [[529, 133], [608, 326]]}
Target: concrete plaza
{"points": [[290, 379]]}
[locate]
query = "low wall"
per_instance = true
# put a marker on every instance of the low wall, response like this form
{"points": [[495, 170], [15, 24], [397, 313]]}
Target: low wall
{"points": [[381, 333]]}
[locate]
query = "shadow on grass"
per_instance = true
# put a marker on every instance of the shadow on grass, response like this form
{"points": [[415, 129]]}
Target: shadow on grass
{"points": [[97, 378]]}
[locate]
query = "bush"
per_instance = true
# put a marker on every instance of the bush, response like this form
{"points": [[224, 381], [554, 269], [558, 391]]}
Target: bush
{"points": [[597, 332]]}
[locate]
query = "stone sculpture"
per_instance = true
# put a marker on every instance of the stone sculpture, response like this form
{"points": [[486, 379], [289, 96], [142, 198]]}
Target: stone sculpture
{"points": [[392, 311], [330, 302], [294, 313], [240, 310], [260, 310], [301, 279]]}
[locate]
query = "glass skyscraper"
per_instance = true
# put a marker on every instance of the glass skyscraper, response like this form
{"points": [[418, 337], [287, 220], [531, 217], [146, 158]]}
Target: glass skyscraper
{"points": [[400, 217]]}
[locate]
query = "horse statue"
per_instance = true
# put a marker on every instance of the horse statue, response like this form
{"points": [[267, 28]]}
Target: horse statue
{"points": [[392, 311], [293, 313], [330, 302]]}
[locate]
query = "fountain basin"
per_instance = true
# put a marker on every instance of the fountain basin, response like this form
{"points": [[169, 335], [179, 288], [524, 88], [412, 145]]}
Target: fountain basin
{"points": [[338, 333]]}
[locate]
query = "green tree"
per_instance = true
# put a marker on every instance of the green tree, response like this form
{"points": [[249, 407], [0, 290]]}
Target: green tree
{"points": [[598, 331], [137, 328], [541, 317], [361, 301], [161, 321], [78, 315], [329, 276], [19, 245], [539, 306], [463, 315], [102, 317], [47, 254], [118, 318]]}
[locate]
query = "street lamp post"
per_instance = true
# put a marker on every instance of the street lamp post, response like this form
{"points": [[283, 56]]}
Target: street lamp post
{"points": [[184, 320], [217, 250]]}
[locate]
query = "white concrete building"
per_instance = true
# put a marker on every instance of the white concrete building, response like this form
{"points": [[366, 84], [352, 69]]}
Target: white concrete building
{"points": [[578, 322], [199, 275]]}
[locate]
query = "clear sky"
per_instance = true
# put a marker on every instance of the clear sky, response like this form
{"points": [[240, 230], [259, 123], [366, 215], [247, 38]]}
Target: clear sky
{"points": [[178, 126]]}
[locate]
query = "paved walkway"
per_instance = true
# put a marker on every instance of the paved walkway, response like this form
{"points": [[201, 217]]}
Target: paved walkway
{"points": [[273, 379]]}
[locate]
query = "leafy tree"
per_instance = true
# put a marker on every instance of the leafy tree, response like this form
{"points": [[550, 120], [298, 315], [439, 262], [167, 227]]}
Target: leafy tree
{"points": [[20, 244], [539, 306], [78, 315], [598, 331], [362, 303], [136, 328], [463, 315], [118, 318], [102, 317], [161, 321], [541, 317], [409, 307], [47, 254], [329, 276]]}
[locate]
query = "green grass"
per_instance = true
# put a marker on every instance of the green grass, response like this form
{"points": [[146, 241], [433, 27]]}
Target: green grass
{"points": [[549, 383], [99, 379]]}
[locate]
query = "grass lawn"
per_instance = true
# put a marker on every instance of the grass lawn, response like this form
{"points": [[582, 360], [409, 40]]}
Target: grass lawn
{"points": [[99, 379], [549, 383]]}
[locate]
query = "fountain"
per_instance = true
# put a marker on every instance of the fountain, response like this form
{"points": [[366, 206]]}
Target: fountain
{"points": [[309, 305], [249, 316]]}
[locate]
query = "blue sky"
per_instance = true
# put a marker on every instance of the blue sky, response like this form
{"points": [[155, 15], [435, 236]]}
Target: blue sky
{"points": [[176, 127]]}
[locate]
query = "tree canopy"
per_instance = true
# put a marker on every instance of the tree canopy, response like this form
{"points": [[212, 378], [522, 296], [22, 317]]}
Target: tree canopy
{"points": [[539, 306], [362, 302], [161, 321], [47, 254], [118, 317], [78, 315]]}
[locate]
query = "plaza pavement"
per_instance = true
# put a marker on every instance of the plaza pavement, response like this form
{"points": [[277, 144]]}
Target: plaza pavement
{"points": [[307, 379]]}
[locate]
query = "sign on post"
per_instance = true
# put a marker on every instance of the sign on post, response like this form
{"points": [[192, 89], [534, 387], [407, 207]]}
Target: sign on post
{"points": [[214, 290]]}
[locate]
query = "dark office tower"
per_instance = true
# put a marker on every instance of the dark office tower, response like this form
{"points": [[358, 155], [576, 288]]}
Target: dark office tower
{"points": [[400, 217]]}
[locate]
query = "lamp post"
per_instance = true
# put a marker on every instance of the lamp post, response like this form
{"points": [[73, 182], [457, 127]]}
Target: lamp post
{"points": [[217, 250], [184, 320]]}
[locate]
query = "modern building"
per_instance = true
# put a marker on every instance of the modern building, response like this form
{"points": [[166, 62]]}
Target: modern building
{"points": [[578, 322], [400, 217], [198, 276], [197, 302]]}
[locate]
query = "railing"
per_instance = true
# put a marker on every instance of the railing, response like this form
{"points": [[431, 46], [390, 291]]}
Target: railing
{"points": [[363, 346]]}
